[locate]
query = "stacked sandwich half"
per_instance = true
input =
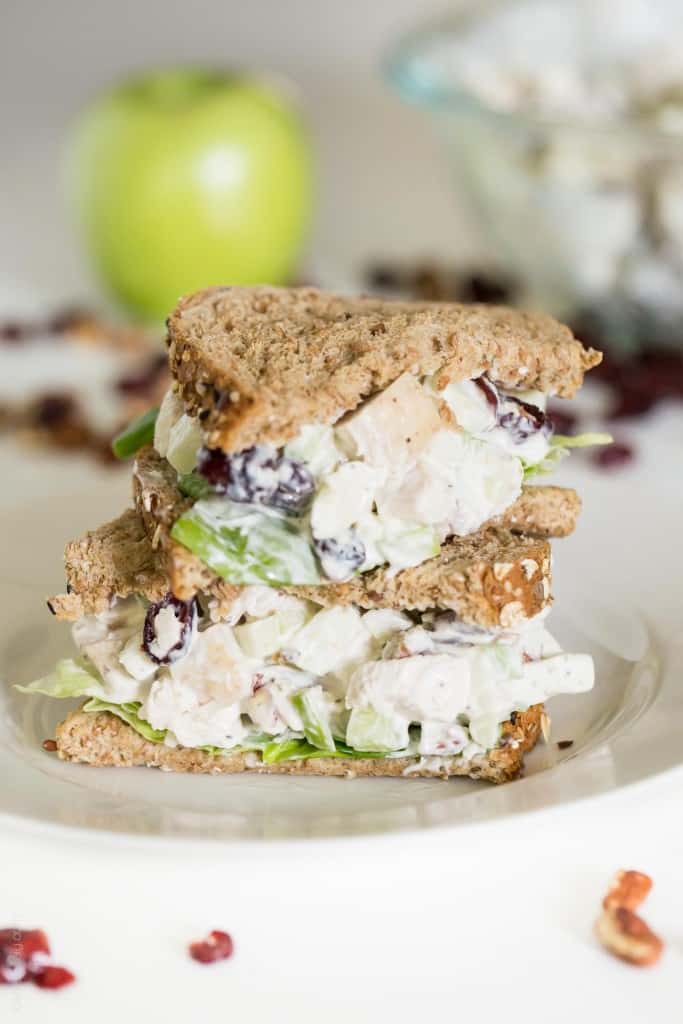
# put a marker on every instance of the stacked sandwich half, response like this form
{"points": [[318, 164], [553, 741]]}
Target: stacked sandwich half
{"points": [[335, 562]]}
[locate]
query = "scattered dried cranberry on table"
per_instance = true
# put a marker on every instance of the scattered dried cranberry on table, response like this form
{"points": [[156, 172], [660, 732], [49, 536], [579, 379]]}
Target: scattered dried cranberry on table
{"points": [[25, 957], [216, 946], [144, 381], [434, 282], [616, 454], [60, 420], [563, 422]]}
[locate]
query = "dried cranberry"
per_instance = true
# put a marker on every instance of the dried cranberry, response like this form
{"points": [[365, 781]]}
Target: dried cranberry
{"points": [[631, 402], [185, 613], [614, 455], [490, 392], [339, 557], [54, 977], [483, 287], [562, 422], [142, 381], [52, 410], [13, 333], [259, 475], [523, 421], [383, 277], [432, 283], [22, 954], [66, 320], [217, 946]]}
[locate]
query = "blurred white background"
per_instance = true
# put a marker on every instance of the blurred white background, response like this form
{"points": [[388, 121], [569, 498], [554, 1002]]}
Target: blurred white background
{"points": [[373, 152]]}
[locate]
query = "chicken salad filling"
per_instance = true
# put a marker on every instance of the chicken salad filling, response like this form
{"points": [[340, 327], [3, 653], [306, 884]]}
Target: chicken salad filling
{"points": [[385, 485], [288, 678]]}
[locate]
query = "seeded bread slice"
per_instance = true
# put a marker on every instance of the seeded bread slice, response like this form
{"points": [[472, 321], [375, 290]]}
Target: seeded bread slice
{"points": [[102, 739], [257, 363], [115, 560], [489, 578]]}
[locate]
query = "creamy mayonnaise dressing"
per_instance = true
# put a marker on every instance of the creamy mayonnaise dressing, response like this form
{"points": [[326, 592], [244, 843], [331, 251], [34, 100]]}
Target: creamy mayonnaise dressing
{"points": [[385, 681], [410, 467]]}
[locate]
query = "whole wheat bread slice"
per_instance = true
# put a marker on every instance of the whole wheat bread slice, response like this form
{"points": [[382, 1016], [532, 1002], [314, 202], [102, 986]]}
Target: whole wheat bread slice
{"points": [[490, 578], [257, 363], [115, 560], [103, 739]]}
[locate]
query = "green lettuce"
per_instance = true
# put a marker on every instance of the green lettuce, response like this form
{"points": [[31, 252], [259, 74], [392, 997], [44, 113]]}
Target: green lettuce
{"points": [[293, 749], [244, 545], [560, 446], [71, 678], [194, 486], [129, 714]]}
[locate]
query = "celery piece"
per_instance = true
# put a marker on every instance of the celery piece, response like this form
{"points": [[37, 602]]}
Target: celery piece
{"points": [[136, 435]]}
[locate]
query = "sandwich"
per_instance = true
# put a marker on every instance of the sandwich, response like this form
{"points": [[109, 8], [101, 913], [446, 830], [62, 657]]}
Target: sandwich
{"points": [[335, 563], [311, 439], [444, 672]]}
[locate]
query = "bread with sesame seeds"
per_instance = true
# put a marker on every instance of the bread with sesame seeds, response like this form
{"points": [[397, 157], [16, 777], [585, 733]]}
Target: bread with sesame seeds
{"points": [[102, 739], [490, 578]]}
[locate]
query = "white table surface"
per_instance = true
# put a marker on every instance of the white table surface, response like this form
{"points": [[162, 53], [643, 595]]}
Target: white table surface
{"points": [[484, 922]]}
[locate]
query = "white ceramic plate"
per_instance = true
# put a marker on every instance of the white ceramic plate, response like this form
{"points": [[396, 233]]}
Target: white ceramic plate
{"points": [[627, 729]]}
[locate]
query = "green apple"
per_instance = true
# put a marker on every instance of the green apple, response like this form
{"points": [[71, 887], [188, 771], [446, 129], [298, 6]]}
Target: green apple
{"points": [[187, 178]]}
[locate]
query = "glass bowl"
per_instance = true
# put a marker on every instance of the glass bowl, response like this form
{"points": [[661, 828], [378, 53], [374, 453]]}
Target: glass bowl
{"points": [[564, 131]]}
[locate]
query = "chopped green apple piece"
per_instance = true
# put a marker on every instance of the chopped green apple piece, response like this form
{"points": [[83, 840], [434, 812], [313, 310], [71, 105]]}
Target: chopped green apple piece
{"points": [[485, 731], [261, 638], [245, 545], [406, 544], [314, 711], [368, 730], [136, 435], [184, 441]]}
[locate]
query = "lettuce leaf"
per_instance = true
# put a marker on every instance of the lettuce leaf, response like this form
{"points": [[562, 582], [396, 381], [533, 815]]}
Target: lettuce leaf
{"points": [[579, 440], [129, 714], [192, 485], [71, 678], [244, 545], [560, 446], [291, 750]]}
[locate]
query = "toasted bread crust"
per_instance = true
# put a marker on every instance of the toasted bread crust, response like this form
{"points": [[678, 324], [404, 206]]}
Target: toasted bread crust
{"points": [[103, 739], [490, 578], [257, 363], [113, 561]]}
